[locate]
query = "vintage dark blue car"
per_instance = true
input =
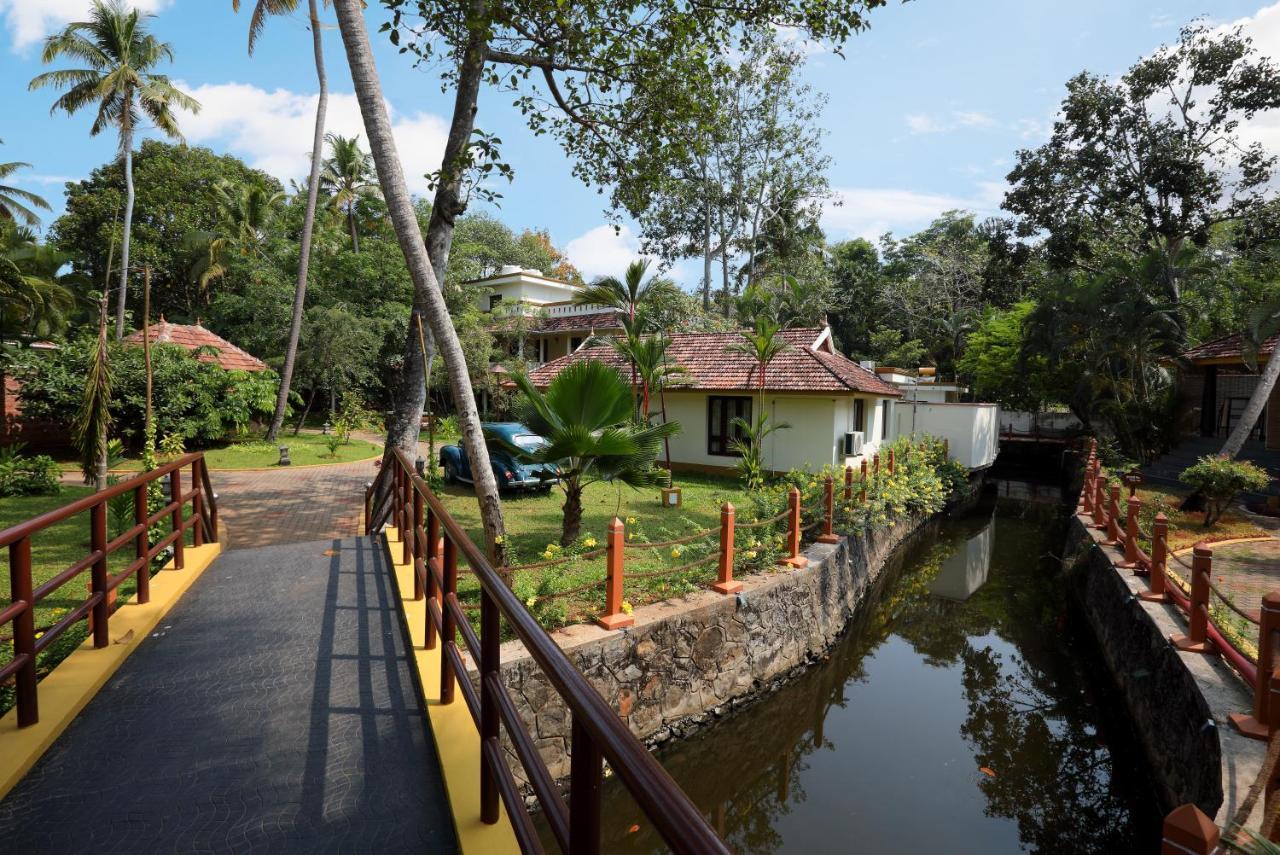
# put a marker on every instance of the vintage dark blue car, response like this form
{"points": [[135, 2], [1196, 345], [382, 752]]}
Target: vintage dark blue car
{"points": [[511, 473]]}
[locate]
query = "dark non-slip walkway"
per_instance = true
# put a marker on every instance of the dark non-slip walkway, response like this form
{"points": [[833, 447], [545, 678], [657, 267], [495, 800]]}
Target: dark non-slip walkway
{"points": [[274, 712]]}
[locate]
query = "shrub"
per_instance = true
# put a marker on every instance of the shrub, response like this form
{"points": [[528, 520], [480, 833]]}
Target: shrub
{"points": [[1220, 480], [22, 475]]}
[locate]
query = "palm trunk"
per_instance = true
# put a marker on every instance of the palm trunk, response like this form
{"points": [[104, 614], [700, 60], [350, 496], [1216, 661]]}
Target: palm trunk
{"points": [[572, 514], [351, 224], [428, 297], [126, 139], [308, 226], [305, 412], [1253, 409]]}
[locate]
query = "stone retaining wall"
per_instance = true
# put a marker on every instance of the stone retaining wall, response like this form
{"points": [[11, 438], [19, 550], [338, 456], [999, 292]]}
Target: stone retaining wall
{"points": [[1178, 701], [690, 660]]}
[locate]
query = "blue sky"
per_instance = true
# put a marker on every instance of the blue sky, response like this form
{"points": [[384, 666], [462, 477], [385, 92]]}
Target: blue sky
{"points": [[926, 109]]}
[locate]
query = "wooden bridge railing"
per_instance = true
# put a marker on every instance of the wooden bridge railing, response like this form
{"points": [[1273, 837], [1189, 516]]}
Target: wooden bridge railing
{"points": [[433, 543], [25, 595]]}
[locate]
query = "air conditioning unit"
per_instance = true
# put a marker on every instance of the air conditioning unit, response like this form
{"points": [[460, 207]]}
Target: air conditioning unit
{"points": [[853, 443]]}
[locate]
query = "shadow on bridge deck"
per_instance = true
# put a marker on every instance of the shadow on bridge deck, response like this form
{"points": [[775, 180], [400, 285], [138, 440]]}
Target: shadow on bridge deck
{"points": [[273, 711]]}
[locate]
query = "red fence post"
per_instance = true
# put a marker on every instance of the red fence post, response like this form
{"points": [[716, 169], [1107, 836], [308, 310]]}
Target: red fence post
{"points": [[1113, 515], [1159, 555], [197, 504], [1187, 831], [24, 631], [724, 583], [862, 495], [828, 496], [793, 557], [1196, 640], [1131, 533], [891, 456], [418, 566], [875, 464], [433, 550], [1258, 725], [848, 484], [448, 629], [141, 544], [615, 545], [179, 542], [406, 515], [1099, 498], [98, 574], [1086, 492]]}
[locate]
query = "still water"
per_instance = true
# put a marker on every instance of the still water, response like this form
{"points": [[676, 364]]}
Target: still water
{"points": [[965, 711]]}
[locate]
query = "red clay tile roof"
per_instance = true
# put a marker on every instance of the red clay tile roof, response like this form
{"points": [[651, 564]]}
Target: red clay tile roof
{"points": [[607, 320], [710, 363], [1227, 347], [195, 336]]}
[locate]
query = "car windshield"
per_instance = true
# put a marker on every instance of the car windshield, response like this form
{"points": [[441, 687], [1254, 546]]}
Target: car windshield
{"points": [[528, 441]]}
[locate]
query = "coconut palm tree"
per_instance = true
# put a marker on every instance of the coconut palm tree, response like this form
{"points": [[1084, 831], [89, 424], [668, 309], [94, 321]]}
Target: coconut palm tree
{"points": [[631, 295], [12, 198], [261, 10], [586, 418], [246, 212], [348, 177], [762, 344], [118, 57]]}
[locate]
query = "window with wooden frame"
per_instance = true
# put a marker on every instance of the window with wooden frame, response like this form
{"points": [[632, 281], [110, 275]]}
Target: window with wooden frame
{"points": [[721, 431], [859, 414]]}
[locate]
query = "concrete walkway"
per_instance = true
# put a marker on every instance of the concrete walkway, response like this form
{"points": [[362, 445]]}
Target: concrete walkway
{"points": [[272, 712]]}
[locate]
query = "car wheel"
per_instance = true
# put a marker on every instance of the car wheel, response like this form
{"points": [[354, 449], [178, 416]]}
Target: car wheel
{"points": [[450, 472]]}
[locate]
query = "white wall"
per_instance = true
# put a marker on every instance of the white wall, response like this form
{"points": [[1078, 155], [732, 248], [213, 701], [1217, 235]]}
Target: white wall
{"points": [[972, 430], [815, 438], [534, 291]]}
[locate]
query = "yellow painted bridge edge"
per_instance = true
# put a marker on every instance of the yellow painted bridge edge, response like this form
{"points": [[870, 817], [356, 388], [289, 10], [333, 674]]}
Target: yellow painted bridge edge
{"points": [[74, 682], [456, 738]]}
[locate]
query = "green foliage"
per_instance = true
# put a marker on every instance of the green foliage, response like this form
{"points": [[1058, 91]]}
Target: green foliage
{"points": [[14, 200], [173, 445], [1221, 479], [23, 475], [1004, 366], [886, 347], [750, 447], [198, 401]]}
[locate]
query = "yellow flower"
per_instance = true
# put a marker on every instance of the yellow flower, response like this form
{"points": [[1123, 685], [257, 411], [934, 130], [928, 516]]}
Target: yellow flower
{"points": [[498, 539], [589, 542], [547, 554], [631, 520], [553, 547], [675, 552], [750, 553], [530, 602], [626, 607]]}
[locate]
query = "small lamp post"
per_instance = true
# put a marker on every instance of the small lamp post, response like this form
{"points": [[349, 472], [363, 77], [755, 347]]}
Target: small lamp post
{"points": [[284, 456], [324, 429]]}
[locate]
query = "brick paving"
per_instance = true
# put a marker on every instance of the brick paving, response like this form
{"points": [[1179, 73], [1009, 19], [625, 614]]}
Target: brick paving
{"points": [[272, 712], [1244, 571]]}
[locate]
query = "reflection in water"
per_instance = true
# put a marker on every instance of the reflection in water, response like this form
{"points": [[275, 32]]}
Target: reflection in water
{"points": [[960, 714]]}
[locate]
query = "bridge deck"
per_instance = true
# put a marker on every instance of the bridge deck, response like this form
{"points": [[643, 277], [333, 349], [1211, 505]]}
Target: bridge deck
{"points": [[274, 711]]}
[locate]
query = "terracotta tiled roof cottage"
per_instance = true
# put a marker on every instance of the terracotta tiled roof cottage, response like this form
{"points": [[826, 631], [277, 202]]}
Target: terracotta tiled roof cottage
{"points": [[193, 337], [1222, 381], [838, 411]]}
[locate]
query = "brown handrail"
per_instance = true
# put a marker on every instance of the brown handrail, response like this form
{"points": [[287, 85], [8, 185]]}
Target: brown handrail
{"points": [[20, 612], [433, 541]]}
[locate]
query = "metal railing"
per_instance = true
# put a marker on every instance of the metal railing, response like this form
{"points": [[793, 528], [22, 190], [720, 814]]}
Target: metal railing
{"points": [[24, 595], [432, 543]]}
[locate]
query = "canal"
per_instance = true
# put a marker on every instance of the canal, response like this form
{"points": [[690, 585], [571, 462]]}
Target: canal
{"points": [[965, 710]]}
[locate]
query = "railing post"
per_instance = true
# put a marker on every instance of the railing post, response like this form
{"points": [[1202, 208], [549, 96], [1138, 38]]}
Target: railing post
{"points": [[586, 774], [175, 520], [1131, 533], [875, 464], [1099, 498], [946, 449], [891, 456], [368, 507], [848, 484], [197, 504], [1086, 492], [433, 595], [1187, 831], [141, 543], [862, 495], [406, 515], [1259, 725], [489, 658], [793, 557], [1196, 640], [1159, 555], [1113, 516], [615, 545], [724, 582], [24, 631], [418, 567], [98, 573], [448, 630], [828, 497]]}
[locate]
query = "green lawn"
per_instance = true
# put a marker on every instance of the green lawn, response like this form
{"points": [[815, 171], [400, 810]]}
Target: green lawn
{"points": [[1186, 528], [52, 551], [533, 523], [305, 449]]}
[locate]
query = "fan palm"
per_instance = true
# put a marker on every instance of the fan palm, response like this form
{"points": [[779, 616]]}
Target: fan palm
{"points": [[118, 55], [246, 212], [261, 10], [585, 415], [348, 176], [12, 199]]}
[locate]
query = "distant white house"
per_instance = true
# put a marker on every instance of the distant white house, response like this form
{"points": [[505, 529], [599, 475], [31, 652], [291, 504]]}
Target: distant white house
{"points": [[931, 405], [536, 316]]}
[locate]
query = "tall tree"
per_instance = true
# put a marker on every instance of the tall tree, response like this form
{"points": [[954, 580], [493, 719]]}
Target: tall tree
{"points": [[247, 214], [118, 55], [1264, 324], [1150, 162], [12, 199], [348, 177], [262, 9]]}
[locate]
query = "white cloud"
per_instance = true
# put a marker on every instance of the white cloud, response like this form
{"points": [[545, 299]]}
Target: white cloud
{"points": [[602, 251], [868, 212], [973, 119], [31, 20], [272, 130], [923, 123], [920, 123]]}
